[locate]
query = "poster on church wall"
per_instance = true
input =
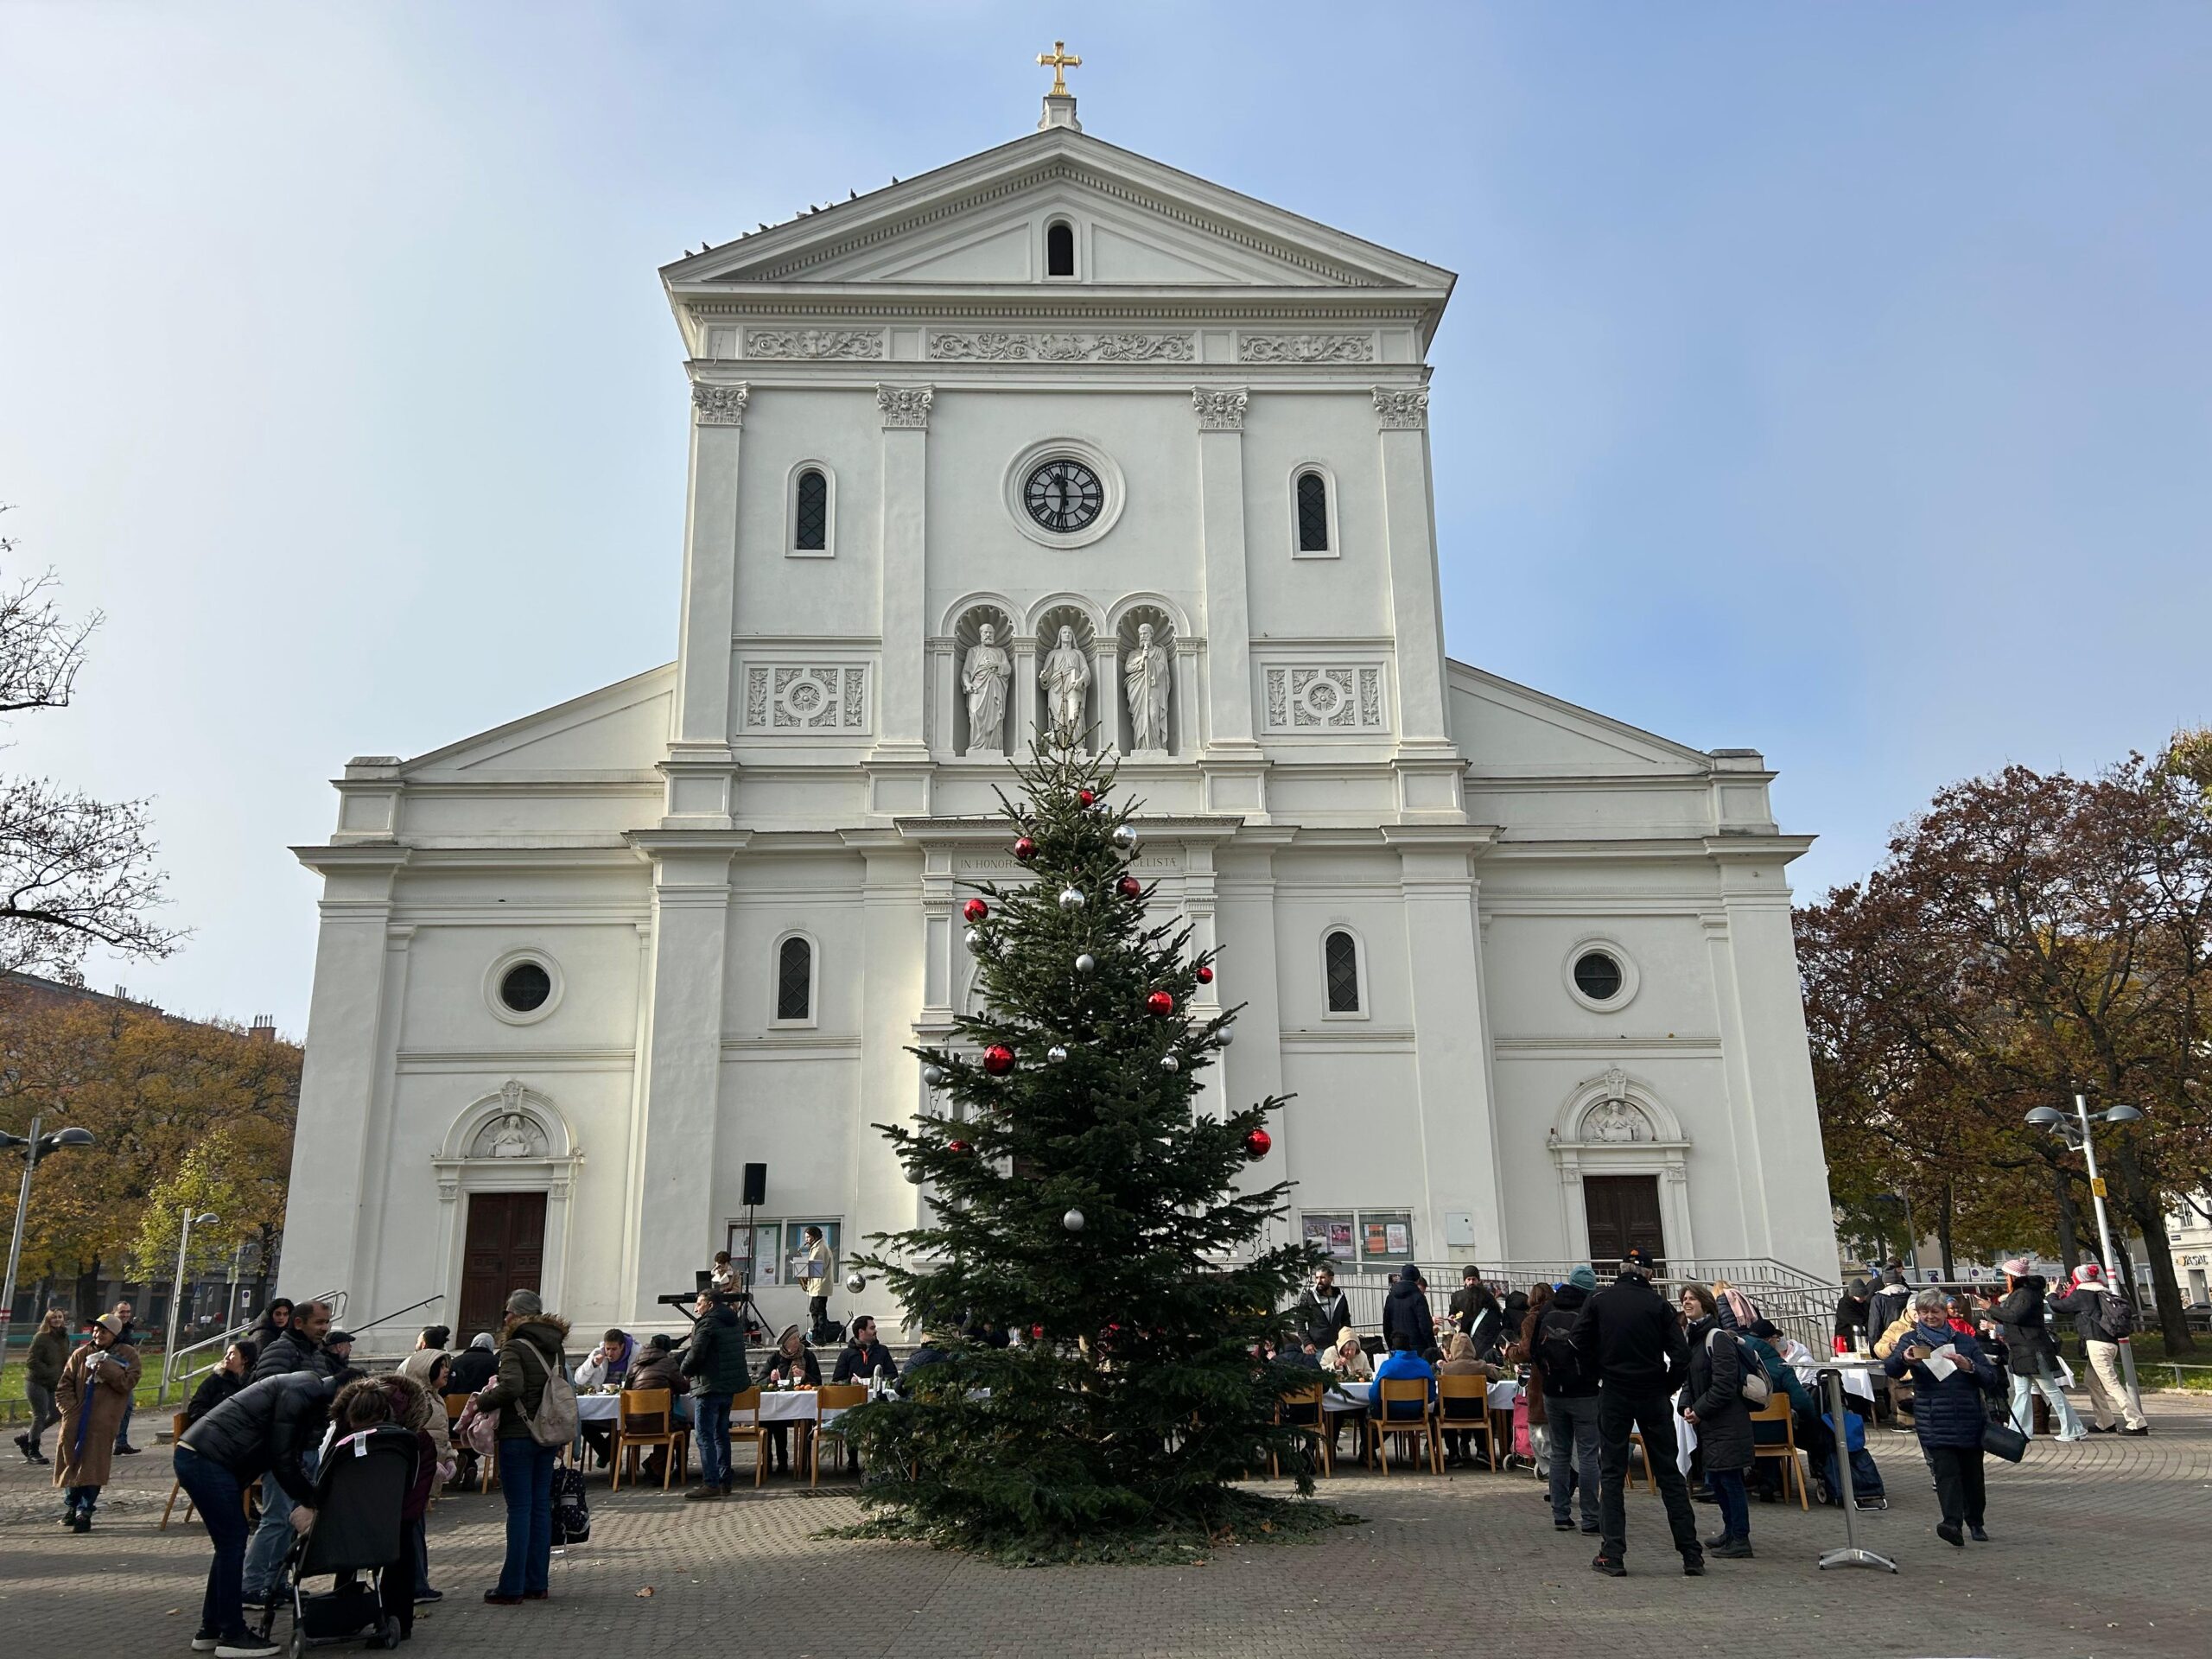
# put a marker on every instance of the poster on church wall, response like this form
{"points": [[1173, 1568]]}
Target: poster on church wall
{"points": [[1332, 1234]]}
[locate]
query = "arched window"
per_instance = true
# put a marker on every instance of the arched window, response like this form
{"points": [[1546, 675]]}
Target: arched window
{"points": [[810, 513], [1313, 513], [1340, 968], [795, 979], [1060, 249]]}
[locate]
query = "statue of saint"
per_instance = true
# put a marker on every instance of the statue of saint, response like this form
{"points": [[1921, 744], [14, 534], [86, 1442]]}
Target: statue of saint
{"points": [[511, 1138], [1614, 1122], [1144, 674], [983, 677], [1066, 679]]}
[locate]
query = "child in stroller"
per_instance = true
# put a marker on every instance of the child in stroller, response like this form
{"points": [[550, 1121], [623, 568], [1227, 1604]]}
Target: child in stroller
{"points": [[367, 1471]]}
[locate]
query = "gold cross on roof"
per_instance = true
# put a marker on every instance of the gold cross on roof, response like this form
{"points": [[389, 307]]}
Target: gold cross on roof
{"points": [[1058, 61]]}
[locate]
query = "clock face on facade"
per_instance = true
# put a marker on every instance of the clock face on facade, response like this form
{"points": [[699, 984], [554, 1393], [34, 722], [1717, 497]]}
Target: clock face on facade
{"points": [[1064, 496]]}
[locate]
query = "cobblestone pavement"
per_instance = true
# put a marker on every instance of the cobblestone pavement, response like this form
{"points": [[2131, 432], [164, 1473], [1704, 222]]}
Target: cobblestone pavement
{"points": [[2101, 1549]]}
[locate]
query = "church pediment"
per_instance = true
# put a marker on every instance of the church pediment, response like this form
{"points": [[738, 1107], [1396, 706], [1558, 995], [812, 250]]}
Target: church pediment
{"points": [[980, 223], [621, 728], [1510, 730]]}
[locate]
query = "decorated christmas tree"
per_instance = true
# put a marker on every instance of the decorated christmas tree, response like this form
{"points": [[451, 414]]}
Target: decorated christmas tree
{"points": [[1090, 1267]]}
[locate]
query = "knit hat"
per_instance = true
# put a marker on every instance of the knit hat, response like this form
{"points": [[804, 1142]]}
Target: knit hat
{"points": [[525, 1304], [1583, 1278], [2018, 1268], [2088, 1274], [1638, 1260]]}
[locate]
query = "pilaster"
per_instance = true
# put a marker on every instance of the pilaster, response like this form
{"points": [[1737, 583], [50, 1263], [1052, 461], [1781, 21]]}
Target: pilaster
{"points": [[898, 768], [701, 778], [902, 918], [1429, 769], [1232, 762]]}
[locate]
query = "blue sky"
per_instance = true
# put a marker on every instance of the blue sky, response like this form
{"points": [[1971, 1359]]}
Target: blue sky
{"points": [[1832, 380]]}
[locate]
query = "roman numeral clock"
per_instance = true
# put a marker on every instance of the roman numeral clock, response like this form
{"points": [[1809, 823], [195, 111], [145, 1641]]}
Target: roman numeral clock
{"points": [[1064, 496]]}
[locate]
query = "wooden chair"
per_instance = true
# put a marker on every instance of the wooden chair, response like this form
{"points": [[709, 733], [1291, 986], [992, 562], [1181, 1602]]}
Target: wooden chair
{"points": [[647, 1417], [1637, 1452], [1410, 1390], [176, 1428], [1777, 1410], [749, 1400], [832, 1396], [1473, 1417], [1306, 1413]]}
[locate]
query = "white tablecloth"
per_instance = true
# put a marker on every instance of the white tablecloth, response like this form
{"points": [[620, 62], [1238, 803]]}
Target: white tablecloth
{"points": [[799, 1406], [1354, 1396]]}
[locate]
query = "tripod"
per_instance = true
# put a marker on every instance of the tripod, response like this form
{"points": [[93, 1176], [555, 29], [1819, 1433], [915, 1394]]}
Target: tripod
{"points": [[750, 1317]]}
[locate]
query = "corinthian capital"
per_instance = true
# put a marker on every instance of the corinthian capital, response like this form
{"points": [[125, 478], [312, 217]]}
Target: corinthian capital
{"points": [[1221, 408], [719, 405], [904, 405]]}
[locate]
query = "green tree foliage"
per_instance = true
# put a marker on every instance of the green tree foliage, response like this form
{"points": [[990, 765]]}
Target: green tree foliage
{"points": [[1130, 1399]]}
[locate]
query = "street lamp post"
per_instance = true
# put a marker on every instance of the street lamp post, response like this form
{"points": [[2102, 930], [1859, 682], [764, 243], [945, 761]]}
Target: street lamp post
{"points": [[208, 1219], [35, 1147], [2049, 1118]]}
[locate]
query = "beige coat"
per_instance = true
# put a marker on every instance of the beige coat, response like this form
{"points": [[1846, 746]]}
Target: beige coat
{"points": [[419, 1366], [97, 1397]]}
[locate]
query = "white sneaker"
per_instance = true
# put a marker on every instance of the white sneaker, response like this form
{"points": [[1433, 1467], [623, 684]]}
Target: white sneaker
{"points": [[205, 1643], [253, 1647]]}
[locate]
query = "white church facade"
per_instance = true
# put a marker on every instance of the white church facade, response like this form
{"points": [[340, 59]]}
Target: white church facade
{"points": [[1056, 427]]}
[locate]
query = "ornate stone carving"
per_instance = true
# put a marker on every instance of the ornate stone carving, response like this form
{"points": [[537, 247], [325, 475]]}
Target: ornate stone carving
{"points": [[1325, 698], [1402, 409], [799, 698], [1147, 678], [811, 344], [719, 405], [1221, 408], [1004, 347], [514, 1133], [905, 406], [1305, 348], [1615, 1120], [983, 678], [1065, 679]]}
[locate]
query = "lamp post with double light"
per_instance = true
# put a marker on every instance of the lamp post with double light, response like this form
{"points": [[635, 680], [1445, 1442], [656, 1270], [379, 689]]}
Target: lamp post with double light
{"points": [[2075, 1131], [35, 1147]]}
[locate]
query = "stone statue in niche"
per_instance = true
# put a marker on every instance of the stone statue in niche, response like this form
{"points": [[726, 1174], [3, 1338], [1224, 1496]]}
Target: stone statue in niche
{"points": [[1145, 675], [1067, 680], [1614, 1122], [983, 678], [512, 1134]]}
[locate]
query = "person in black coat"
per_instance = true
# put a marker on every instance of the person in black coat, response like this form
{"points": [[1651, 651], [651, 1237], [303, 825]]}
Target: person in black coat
{"points": [[219, 1384], [1405, 1313], [2031, 1352], [1854, 1316], [1891, 1300], [1322, 1310], [1631, 1340], [269, 1429], [1948, 1412], [299, 1346], [1712, 1403], [474, 1366]]}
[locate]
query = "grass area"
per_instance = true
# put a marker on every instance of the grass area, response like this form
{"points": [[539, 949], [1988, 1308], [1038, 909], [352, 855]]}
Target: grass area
{"points": [[14, 1404]]}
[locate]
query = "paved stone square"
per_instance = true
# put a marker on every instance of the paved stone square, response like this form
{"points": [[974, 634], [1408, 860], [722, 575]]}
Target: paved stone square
{"points": [[2099, 1550]]}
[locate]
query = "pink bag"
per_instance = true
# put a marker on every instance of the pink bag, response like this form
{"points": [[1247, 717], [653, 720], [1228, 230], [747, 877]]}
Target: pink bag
{"points": [[1521, 1448], [478, 1430]]}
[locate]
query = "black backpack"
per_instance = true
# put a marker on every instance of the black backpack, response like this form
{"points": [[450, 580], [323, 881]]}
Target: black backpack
{"points": [[571, 1510], [1556, 1354]]}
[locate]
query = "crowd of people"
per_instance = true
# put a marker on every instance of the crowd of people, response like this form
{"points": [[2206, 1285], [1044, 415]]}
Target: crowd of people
{"points": [[1600, 1366]]}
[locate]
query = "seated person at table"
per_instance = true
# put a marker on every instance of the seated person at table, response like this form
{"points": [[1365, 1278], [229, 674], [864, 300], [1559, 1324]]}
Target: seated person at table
{"points": [[1347, 1362], [863, 1356], [1401, 1362], [1766, 1343], [791, 1365], [931, 1352], [604, 1365], [1460, 1361], [657, 1366], [1300, 1352]]}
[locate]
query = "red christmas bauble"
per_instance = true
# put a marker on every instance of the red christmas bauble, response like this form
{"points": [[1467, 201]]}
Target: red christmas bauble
{"points": [[1160, 1002], [1036, 1333], [975, 910], [1025, 849], [956, 1145], [1205, 970], [1131, 888], [1084, 796], [998, 1059], [1257, 1143]]}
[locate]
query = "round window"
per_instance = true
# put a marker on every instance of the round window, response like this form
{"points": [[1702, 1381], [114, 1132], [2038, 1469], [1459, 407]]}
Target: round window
{"points": [[525, 986], [1597, 976]]}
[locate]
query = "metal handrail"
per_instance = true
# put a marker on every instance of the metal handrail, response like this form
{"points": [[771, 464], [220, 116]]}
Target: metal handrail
{"points": [[170, 1369]]}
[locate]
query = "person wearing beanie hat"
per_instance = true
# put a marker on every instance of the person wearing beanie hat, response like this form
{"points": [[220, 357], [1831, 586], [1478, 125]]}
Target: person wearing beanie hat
{"points": [[2031, 1352], [2102, 1318], [1569, 1389], [1630, 1339], [95, 1389], [530, 1358]]}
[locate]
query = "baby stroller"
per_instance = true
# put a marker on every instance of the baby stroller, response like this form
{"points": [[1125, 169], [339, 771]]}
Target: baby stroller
{"points": [[359, 1490]]}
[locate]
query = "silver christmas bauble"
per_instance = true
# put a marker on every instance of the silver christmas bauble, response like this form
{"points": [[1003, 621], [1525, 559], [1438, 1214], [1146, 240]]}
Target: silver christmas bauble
{"points": [[1073, 1221], [1125, 835], [1071, 897], [1086, 962], [1224, 1036], [913, 1175], [933, 1075], [1169, 1062], [975, 937], [856, 1283], [1057, 1053]]}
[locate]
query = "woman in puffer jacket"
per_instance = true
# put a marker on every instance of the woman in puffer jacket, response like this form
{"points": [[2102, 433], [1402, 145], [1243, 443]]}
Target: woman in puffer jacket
{"points": [[1949, 1411]]}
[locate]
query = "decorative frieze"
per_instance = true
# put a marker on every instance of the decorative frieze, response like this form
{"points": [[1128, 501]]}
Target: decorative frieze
{"points": [[1002, 347], [830, 698], [1221, 408], [849, 345], [905, 406], [1325, 698], [1402, 409], [713, 405], [1305, 348]]}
